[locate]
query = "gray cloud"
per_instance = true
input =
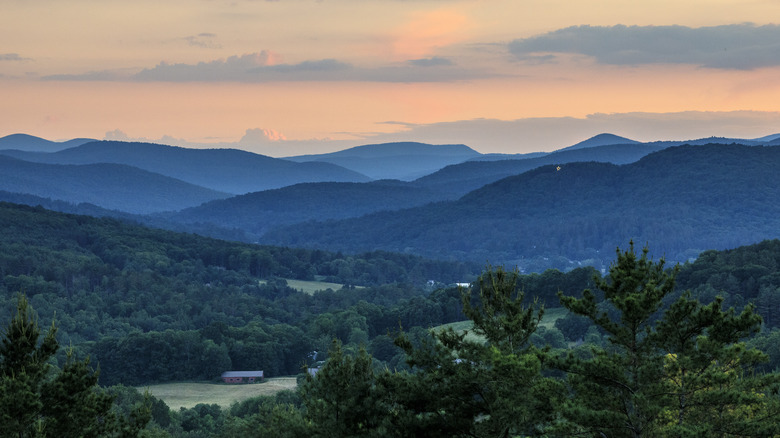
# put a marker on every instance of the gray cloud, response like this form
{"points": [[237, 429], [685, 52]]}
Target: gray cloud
{"points": [[735, 46], [265, 67], [103, 75], [430, 62], [254, 68], [12, 57], [204, 39]]}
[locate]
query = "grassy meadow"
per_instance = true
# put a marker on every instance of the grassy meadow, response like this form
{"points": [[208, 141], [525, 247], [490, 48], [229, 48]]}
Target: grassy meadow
{"points": [[309, 287], [548, 321], [187, 395]]}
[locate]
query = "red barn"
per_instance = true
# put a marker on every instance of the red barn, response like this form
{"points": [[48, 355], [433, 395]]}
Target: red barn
{"points": [[242, 376]]}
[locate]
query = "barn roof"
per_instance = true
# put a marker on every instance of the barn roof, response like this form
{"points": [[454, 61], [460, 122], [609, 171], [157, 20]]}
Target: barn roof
{"points": [[242, 374]]}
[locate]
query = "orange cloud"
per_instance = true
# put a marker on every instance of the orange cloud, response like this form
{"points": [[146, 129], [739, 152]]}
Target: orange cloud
{"points": [[428, 31]]}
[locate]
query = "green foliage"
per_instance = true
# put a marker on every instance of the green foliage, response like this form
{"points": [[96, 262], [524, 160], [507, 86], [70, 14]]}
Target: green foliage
{"points": [[342, 399], [676, 371], [468, 387], [68, 403], [501, 316]]}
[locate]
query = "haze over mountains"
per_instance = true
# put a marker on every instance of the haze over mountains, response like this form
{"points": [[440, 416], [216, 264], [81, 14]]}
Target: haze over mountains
{"points": [[465, 205]]}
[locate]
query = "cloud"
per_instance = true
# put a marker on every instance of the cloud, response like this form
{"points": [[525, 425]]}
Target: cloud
{"points": [[734, 46], [12, 57], [204, 39], [98, 76], [430, 62], [257, 68], [116, 135], [266, 66], [234, 68], [259, 135], [119, 135]]}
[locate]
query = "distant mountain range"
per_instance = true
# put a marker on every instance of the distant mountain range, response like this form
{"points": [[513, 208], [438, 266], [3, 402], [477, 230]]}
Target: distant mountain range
{"points": [[461, 209], [680, 200], [111, 186], [29, 143], [226, 170], [403, 161]]}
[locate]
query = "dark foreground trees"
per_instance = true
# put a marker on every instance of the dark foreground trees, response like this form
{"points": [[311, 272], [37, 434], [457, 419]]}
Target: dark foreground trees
{"points": [[37, 401], [676, 370], [670, 367]]}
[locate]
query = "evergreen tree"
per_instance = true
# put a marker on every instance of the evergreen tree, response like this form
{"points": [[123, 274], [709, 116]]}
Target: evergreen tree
{"points": [[36, 401], [679, 371], [23, 368], [489, 385], [342, 399]]}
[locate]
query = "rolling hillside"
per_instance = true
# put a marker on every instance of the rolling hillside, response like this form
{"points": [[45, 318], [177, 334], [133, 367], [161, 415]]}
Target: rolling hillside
{"points": [[405, 161], [680, 200], [258, 212], [460, 179], [226, 170], [29, 143], [110, 186]]}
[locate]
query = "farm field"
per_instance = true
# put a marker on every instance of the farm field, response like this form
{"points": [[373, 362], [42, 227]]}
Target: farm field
{"points": [[548, 321], [187, 395], [309, 287]]}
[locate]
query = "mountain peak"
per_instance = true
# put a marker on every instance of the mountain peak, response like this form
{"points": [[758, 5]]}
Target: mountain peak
{"points": [[31, 143], [603, 139]]}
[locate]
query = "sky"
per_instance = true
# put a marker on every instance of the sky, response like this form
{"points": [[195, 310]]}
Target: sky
{"points": [[291, 77]]}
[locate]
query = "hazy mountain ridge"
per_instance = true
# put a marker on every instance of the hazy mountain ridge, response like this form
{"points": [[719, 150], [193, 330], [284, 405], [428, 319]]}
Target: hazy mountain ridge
{"points": [[679, 200], [227, 170], [256, 213], [107, 185], [247, 217], [460, 179], [402, 160], [29, 143]]}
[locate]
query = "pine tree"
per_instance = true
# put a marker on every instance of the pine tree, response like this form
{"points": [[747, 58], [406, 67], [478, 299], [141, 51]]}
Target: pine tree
{"points": [[23, 368], [675, 371], [490, 386], [38, 401], [341, 399]]}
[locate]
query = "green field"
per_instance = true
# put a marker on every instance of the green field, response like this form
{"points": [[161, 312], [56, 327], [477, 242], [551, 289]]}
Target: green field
{"points": [[187, 395], [548, 321], [309, 287]]}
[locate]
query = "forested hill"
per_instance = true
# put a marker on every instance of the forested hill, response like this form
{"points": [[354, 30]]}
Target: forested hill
{"points": [[255, 213], [464, 177], [680, 201], [110, 186], [125, 293]]}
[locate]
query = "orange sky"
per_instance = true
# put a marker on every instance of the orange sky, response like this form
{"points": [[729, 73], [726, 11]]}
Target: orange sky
{"points": [[300, 76]]}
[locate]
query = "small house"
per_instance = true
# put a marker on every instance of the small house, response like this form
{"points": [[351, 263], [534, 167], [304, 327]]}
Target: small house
{"points": [[242, 376]]}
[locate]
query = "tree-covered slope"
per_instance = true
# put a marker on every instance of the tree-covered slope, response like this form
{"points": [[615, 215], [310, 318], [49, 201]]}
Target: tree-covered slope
{"points": [[153, 305], [460, 179], [110, 186], [680, 200], [255, 213]]}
